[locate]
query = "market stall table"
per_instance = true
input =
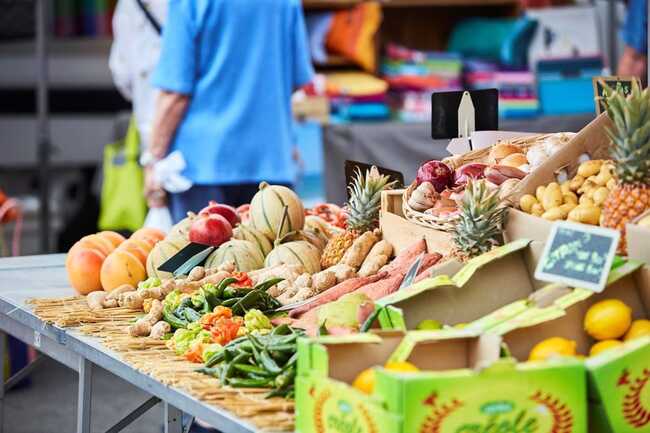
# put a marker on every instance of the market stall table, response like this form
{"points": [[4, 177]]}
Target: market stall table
{"points": [[44, 276]]}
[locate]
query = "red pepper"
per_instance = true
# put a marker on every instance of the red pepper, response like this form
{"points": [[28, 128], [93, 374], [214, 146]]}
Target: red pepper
{"points": [[195, 354], [225, 329], [243, 280]]}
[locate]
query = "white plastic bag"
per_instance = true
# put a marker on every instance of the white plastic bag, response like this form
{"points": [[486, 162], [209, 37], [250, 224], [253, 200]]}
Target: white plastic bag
{"points": [[159, 218]]}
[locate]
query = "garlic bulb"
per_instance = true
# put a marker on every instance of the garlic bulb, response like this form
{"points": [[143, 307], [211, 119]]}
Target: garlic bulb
{"points": [[536, 155], [525, 168], [556, 141], [424, 197]]}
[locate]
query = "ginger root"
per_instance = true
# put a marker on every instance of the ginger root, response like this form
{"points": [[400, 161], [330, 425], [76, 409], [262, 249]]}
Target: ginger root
{"points": [[323, 281], [196, 274], [132, 300], [377, 257], [159, 330], [343, 272], [356, 254], [144, 325], [95, 300]]}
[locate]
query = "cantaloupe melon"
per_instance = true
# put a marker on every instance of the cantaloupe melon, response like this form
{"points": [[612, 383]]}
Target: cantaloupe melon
{"points": [[163, 251], [181, 230], [267, 209], [247, 233], [244, 254], [295, 253]]}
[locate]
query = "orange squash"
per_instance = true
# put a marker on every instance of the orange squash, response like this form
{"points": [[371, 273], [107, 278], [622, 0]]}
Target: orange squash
{"points": [[121, 267], [84, 266], [113, 237]]}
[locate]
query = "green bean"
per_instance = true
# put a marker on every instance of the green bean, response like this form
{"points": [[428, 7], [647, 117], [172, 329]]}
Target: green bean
{"points": [[230, 303], [264, 286], [283, 329], [250, 383], [247, 368], [269, 363], [216, 358]]}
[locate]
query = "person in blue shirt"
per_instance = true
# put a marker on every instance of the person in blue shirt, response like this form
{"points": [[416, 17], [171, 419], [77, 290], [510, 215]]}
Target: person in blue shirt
{"points": [[226, 73], [634, 61]]}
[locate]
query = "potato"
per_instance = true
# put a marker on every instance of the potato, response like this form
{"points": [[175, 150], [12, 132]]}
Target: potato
{"points": [[565, 187], [567, 207], [552, 196], [537, 209], [600, 195], [587, 187], [570, 197], [576, 183], [554, 214], [585, 214], [539, 193], [589, 168], [584, 200], [526, 202], [603, 177], [611, 184]]}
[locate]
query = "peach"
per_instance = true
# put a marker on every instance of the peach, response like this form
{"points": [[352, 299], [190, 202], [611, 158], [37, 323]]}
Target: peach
{"points": [[84, 266], [134, 248], [148, 232], [113, 237], [121, 267]]}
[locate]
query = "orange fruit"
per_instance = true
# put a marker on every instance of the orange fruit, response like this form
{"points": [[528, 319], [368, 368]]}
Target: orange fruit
{"points": [[113, 237], [365, 381], [604, 345], [134, 248], [608, 319], [84, 266], [555, 346], [148, 232], [121, 267]]}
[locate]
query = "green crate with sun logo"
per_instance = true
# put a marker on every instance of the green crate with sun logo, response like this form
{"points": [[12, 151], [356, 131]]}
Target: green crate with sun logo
{"points": [[462, 385]]}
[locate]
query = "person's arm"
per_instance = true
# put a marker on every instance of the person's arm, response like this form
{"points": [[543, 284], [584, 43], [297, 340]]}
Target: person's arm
{"points": [[118, 61], [170, 109], [303, 70]]}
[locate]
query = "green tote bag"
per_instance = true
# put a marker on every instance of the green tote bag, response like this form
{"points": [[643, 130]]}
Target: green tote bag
{"points": [[123, 206]]}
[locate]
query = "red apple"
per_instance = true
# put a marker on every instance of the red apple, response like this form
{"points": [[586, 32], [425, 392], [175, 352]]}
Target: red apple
{"points": [[228, 212], [212, 229]]}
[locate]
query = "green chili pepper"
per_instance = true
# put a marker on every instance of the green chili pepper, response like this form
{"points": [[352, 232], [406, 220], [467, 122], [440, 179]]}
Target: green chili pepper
{"points": [[230, 303], [285, 379], [172, 319], [250, 383], [266, 285], [222, 286], [247, 368], [216, 358], [235, 292], [191, 315], [269, 363]]}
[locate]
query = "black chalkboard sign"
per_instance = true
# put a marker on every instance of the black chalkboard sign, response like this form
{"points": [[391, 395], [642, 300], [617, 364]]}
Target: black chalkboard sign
{"points": [[578, 255], [186, 259], [614, 83], [444, 112], [351, 170]]}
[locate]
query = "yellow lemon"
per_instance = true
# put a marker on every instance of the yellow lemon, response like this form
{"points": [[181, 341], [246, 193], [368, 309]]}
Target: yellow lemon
{"points": [[365, 381], [555, 346], [608, 319], [601, 346], [401, 366], [639, 328]]}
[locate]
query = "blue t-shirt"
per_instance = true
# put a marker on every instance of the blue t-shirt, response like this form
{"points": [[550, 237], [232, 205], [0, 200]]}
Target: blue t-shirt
{"points": [[239, 61], [635, 30]]}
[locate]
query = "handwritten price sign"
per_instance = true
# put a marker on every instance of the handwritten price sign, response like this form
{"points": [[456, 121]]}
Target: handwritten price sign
{"points": [[578, 255]]}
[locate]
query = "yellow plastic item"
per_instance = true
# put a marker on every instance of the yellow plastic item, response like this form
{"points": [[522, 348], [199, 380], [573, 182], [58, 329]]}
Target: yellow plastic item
{"points": [[608, 319], [401, 366], [555, 346]]}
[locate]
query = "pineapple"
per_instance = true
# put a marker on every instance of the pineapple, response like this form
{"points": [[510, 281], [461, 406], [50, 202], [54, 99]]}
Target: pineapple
{"points": [[363, 213], [630, 151], [482, 216]]}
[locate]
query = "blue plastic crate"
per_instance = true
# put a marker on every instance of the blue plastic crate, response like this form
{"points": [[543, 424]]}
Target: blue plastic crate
{"points": [[566, 95]]}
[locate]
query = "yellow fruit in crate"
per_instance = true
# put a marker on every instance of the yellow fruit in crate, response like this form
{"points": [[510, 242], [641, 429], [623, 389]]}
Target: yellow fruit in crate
{"points": [[365, 381], [600, 195], [537, 209], [608, 319], [554, 214], [401, 367], [552, 196], [570, 197], [555, 346], [539, 193], [576, 183], [589, 168], [638, 329], [604, 345], [526, 202], [585, 214]]}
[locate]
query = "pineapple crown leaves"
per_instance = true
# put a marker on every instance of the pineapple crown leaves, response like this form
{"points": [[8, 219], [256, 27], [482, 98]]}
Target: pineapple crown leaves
{"points": [[631, 133], [365, 198], [482, 217]]}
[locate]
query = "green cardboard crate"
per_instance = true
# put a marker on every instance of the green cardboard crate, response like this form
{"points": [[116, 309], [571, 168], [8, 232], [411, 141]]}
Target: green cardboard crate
{"points": [[619, 392], [485, 284], [464, 387]]}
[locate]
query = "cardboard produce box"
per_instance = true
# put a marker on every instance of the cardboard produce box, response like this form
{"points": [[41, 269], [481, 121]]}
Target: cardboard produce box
{"points": [[638, 239], [402, 233], [619, 380], [462, 387], [483, 285], [592, 140]]}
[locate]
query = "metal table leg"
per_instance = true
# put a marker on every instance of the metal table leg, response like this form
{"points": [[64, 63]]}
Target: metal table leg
{"points": [[3, 354], [172, 419], [84, 395]]}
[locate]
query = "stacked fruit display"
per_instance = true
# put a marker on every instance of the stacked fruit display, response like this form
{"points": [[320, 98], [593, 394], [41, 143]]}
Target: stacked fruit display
{"points": [[580, 199], [609, 322], [107, 260]]}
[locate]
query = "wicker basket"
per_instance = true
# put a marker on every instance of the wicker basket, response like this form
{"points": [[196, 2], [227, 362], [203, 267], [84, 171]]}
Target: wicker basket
{"points": [[454, 162], [482, 155], [445, 224]]}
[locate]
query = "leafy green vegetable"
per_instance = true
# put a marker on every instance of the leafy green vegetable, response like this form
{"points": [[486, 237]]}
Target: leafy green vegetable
{"points": [[150, 283], [209, 350], [255, 320], [173, 300]]}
